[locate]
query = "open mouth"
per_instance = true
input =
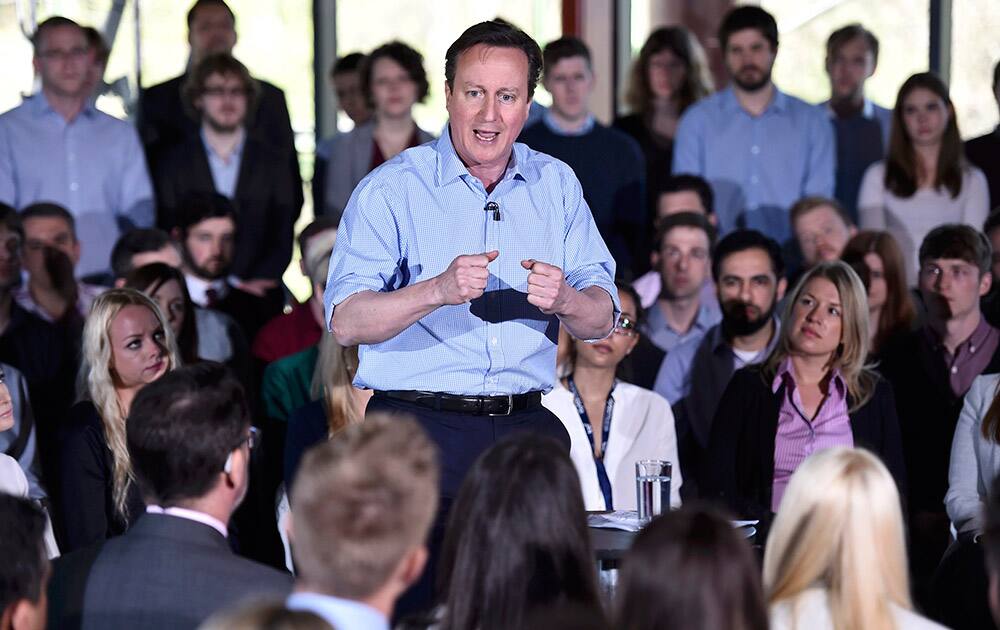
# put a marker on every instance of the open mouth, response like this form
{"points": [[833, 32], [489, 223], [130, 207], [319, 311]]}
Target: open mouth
{"points": [[486, 136]]}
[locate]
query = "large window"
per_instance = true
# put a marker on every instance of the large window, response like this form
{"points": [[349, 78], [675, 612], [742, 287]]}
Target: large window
{"points": [[975, 49]]}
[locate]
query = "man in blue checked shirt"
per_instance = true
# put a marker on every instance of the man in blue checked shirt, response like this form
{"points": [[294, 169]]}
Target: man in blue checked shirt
{"points": [[457, 261]]}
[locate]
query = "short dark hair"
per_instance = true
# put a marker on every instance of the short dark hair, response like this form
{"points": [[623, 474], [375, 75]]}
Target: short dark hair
{"points": [[22, 547], [96, 42], [53, 22], [407, 57], [500, 34], [684, 219], [742, 240], [848, 33], [11, 220], [136, 241], [351, 62], [565, 48], [202, 3], [808, 204], [628, 289], [197, 207], [182, 427], [991, 223], [48, 210], [959, 241], [746, 17], [222, 64], [996, 75], [684, 182], [322, 223]]}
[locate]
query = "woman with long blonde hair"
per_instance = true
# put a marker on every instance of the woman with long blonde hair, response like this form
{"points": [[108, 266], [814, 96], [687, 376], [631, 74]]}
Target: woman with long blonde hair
{"points": [[836, 556], [814, 391], [127, 343]]}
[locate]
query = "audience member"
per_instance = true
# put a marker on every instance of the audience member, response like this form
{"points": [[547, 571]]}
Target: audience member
{"points": [[991, 544], [821, 228], [749, 276], [608, 163], [392, 80], [990, 303], [52, 254], [57, 148], [207, 232], [265, 616], [812, 392], [127, 344], [612, 424], [100, 53], [683, 257], [142, 246], [760, 148], [690, 569], [364, 503], [224, 158], [165, 285], [670, 74], [19, 466], [876, 258], [983, 151], [836, 556], [925, 180], [931, 369], [301, 328], [860, 126], [189, 442], [165, 122], [517, 539], [345, 79], [25, 570]]}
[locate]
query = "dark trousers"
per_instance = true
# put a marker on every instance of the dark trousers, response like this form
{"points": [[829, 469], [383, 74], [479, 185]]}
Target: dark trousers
{"points": [[460, 440]]}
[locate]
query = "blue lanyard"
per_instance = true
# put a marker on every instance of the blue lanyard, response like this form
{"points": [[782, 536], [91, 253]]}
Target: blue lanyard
{"points": [[609, 407]]}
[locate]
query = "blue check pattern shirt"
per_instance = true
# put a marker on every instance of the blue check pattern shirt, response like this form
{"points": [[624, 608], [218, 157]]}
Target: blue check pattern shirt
{"points": [[408, 219]]}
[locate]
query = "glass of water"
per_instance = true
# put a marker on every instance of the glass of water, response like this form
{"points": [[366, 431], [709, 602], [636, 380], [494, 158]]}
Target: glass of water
{"points": [[652, 487]]}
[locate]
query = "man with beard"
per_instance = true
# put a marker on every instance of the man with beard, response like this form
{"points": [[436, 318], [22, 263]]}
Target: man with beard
{"points": [[206, 230], [931, 370], [759, 148], [749, 277], [224, 158]]}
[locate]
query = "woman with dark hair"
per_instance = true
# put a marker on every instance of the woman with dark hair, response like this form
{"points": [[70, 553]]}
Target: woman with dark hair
{"points": [[670, 74], [813, 392], [925, 179], [517, 538], [612, 424], [690, 569], [392, 80], [877, 259], [165, 285]]}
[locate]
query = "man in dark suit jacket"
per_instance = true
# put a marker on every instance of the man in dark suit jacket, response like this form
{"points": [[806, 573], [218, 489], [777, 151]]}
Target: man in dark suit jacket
{"points": [[164, 122], [224, 158], [189, 439]]}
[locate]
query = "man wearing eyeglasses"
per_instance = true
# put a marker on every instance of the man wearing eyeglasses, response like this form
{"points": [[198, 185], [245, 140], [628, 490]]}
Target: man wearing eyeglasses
{"points": [[189, 438], [56, 147]]}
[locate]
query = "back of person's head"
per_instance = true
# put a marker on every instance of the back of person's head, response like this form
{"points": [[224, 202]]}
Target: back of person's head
{"points": [[495, 34], [56, 21], [265, 616], [746, 17], [407, 57], [840, 526], [564, 48], [48, 210], [991, 546], [694, 220], [319, 225], [849, 33], [568, 617], [197, 207], [683, 45], [363, 502], [685, 182], [222, 64], [24, 563], [957, 241], [991, 223], [517, 537], [742, 240], [690, 569], [136, 241], [317, 256], [182, 429]]}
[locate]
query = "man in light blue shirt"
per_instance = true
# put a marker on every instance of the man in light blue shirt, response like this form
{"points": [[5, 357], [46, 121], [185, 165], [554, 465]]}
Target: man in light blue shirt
{"points": [[760, 148], [57, 147]]}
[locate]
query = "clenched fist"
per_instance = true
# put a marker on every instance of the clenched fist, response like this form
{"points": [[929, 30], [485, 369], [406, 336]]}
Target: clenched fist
{"points": [[465, 278], [547, 288]]}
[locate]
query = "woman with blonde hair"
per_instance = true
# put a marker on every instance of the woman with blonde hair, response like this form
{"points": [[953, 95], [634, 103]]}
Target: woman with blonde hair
{"points": [[813, 392], [127, 344], [836, 558]]}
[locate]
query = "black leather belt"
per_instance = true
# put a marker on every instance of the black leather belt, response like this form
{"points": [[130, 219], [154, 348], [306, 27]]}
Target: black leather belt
{"points": [[472, 405]]}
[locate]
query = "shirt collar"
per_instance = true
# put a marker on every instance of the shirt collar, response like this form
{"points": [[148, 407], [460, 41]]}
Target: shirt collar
{"points": [[721, 344], [198, 288], [867, 109], [976, 339], [450, 167], [785, 376], [237, 150], [339, 612], [550, 121], [41, 105], [779, 101], [191, 515]]}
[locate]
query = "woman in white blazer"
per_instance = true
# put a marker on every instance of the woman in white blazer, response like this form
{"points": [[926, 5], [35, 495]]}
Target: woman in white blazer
{"points": [[624, 423]]}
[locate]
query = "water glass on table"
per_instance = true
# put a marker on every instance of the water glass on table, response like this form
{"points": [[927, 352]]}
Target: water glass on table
{"points": [[652, 488]]}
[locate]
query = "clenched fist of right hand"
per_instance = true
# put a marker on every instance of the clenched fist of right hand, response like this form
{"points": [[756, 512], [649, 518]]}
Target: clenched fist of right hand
{"points": [[465, 278]]}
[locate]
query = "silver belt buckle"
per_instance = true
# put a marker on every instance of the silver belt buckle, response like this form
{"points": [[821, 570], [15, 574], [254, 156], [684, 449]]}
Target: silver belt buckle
{"points": [[510, 407]]}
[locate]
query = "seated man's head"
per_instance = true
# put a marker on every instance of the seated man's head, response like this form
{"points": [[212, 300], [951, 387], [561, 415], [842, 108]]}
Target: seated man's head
{"points": [[954, 271], [11, 240], [142, 246], [364, 502], [206, 230], [345, 77], [569, 78], [50, 243], [822, 229], [682, 254], [991, 228], [220, 91], [685, 193], [24, 569], [750, 280], [189, 439]]}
